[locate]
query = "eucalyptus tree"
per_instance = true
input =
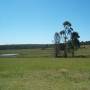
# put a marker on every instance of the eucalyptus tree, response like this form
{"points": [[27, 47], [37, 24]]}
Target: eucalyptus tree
{"points": [[66, 33], [67, 40], [75, 41], [57, 42]]}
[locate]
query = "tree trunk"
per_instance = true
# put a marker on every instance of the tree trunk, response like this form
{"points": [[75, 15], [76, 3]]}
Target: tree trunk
{"points": [[56, 50], [73, 52], [73, 43], [65, 50]]}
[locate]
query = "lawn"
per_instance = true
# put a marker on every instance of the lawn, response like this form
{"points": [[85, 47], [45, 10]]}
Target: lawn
{"points": [[45, 73]]}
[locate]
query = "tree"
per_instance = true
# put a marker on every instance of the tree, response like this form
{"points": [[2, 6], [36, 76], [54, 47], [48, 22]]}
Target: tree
{"points": [[75, 41], [68, 39], [67, 31], [57, 41]]}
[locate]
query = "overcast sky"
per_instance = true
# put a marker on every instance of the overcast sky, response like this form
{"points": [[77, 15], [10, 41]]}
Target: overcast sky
{"points": [[36, 21]]}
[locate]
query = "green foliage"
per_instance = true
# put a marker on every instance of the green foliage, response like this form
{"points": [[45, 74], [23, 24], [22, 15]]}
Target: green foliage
{"points": [[23, 46], [75, 35], [67, 23]]}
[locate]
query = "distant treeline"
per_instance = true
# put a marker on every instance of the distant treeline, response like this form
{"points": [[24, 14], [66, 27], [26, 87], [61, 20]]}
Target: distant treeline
{"points": [[25, 46], [33, 46], [85, 42]]}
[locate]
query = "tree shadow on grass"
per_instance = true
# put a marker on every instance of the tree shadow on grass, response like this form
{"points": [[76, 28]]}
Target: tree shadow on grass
{"points": [[82, 56], [79, 56]]}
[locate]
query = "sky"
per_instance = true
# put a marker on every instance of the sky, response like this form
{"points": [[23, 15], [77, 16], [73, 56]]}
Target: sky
{"points": [[36, 21]]}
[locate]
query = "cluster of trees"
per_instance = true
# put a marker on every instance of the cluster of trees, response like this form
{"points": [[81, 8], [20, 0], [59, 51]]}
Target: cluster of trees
{"points": [[85, 42], [70, 40], [34, 46], [68, 35], [24, 46]]}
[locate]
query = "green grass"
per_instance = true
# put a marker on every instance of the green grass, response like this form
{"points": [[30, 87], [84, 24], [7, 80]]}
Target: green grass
{"points": [[44, 73], [37, 69], [47, 52], [30, 52]]}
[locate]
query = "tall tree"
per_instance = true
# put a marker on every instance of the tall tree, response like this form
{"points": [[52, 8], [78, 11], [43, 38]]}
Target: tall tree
{"points": [[75, 41], [57, 41], [67, 31], [69, 39]]}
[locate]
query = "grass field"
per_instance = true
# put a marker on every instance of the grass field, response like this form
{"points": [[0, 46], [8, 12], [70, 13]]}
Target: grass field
{"points": [[37, 69], [47, 52], [44, 74]]}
